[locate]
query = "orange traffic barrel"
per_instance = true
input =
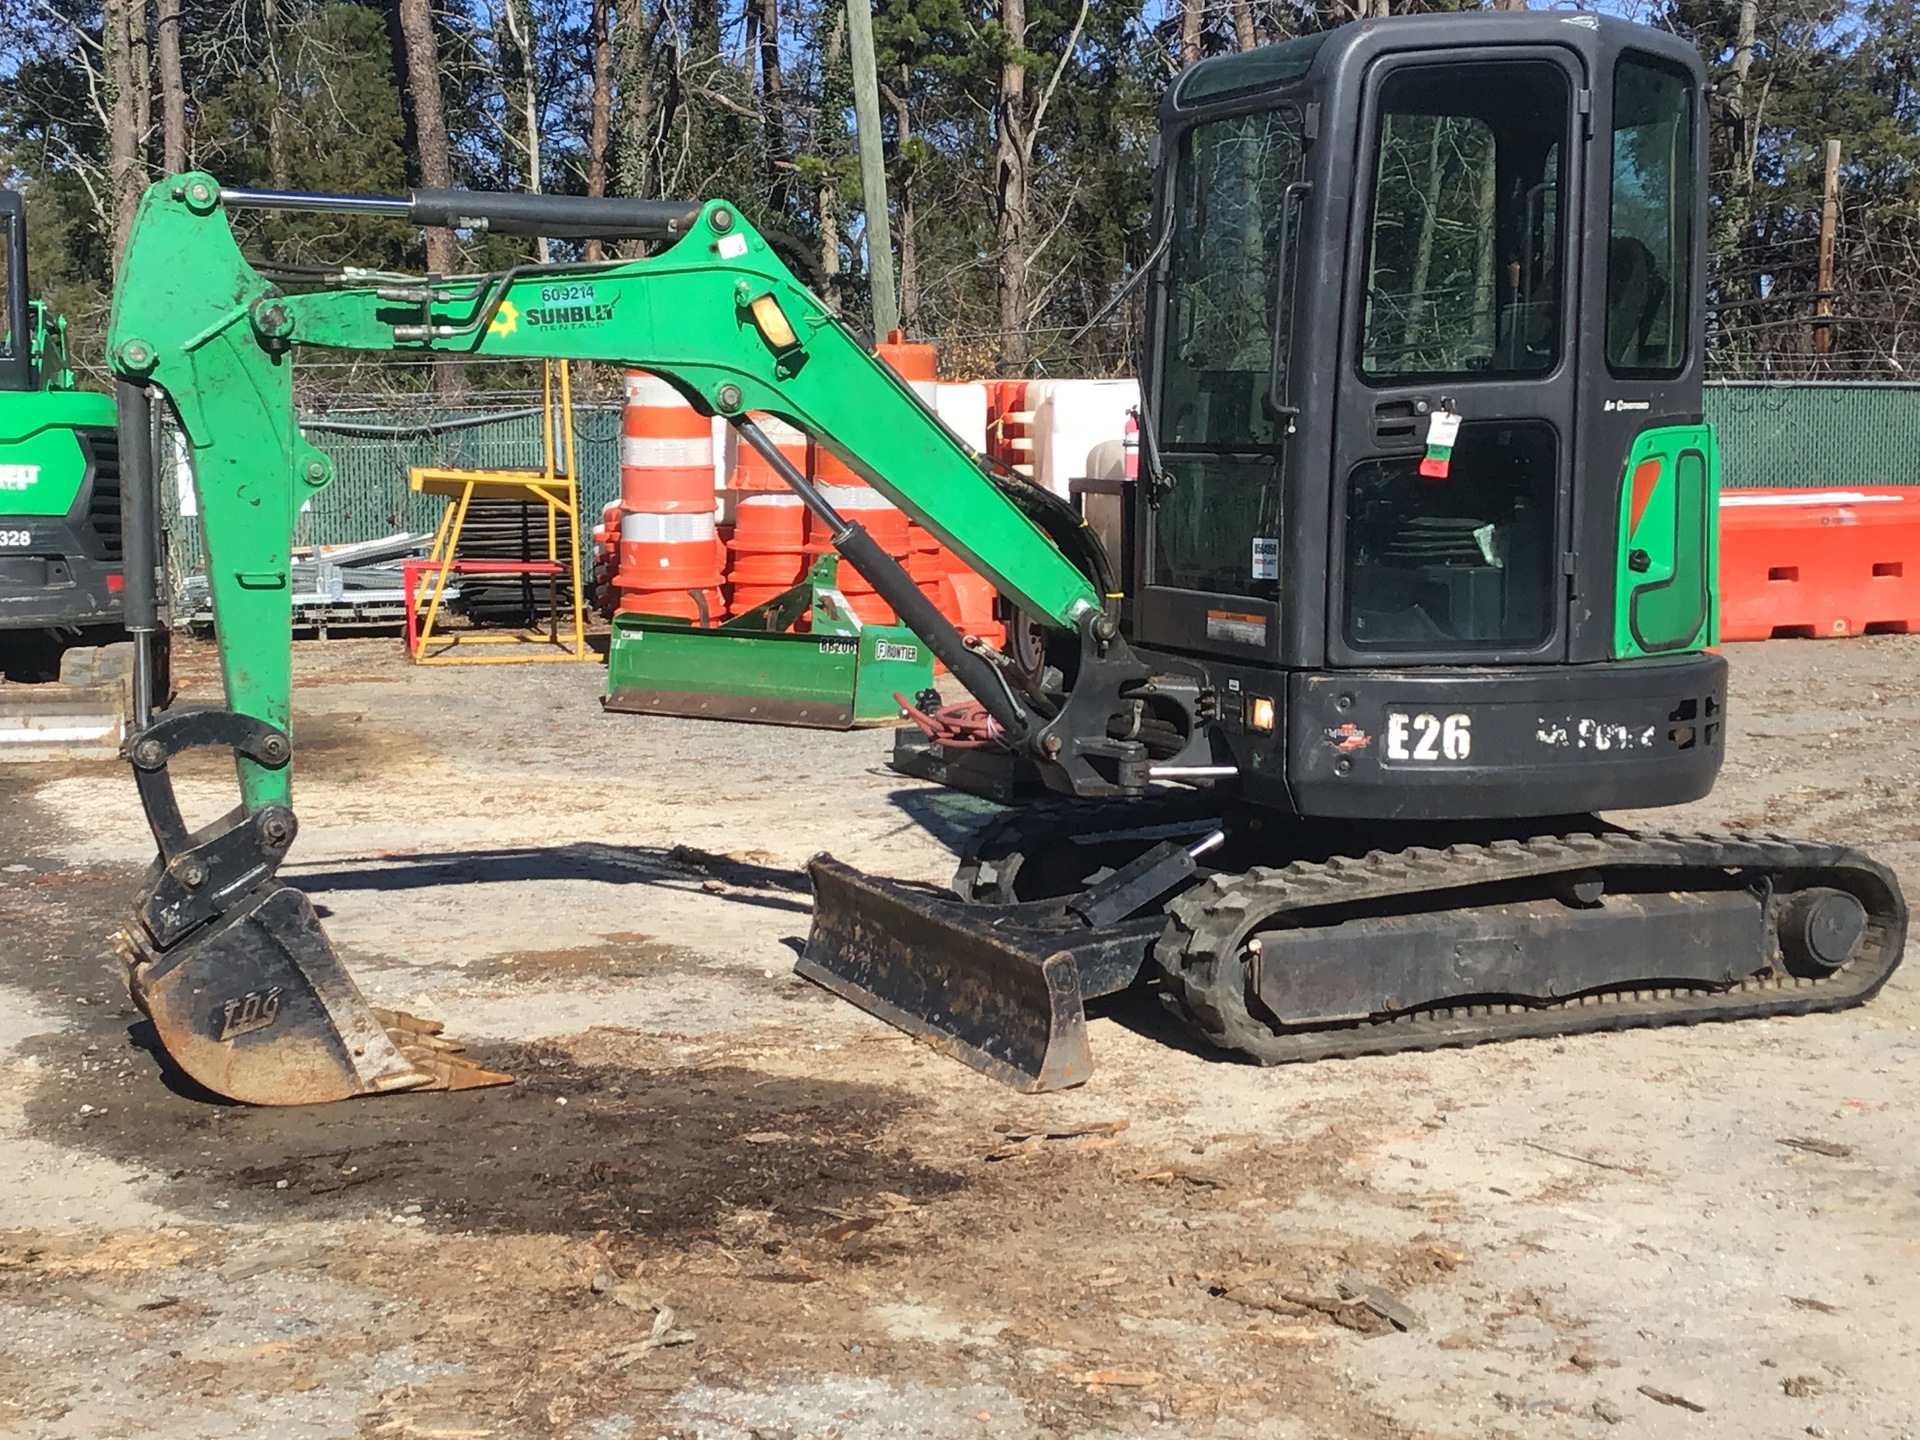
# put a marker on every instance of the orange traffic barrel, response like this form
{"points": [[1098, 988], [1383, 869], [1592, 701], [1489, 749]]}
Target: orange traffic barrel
{"points": [[704, 606], [769, 548], [765, 524], [752, 473], [668, 552], [830, 469], [666, 450], [886, 523]]}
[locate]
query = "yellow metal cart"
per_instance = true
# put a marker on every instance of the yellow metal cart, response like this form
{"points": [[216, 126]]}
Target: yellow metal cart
{"points": [[555, 487]]}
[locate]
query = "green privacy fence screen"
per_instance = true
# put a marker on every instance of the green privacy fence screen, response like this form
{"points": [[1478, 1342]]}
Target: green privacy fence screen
{"points": [[1814, 434], [1771, 436]]}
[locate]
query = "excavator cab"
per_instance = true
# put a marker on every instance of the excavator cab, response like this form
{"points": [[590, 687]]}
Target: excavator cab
{"points": [[1428, 286]]}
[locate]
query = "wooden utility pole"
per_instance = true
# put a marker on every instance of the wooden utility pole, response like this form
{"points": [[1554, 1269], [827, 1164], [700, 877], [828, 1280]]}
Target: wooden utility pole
{"points": [[1829, 223], [520, 30], [873, 167]]}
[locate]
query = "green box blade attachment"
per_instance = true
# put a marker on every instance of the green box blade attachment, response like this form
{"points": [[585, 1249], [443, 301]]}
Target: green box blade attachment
{"points": [[840, 676]]}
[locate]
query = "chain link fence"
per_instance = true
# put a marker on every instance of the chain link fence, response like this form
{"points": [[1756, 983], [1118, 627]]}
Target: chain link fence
{"points": [[1773, 435], [372, 450]]}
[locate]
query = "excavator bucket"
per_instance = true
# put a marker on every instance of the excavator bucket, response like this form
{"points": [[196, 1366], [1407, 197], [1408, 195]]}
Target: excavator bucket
{"points": [[244, 990], [257, 1008]]}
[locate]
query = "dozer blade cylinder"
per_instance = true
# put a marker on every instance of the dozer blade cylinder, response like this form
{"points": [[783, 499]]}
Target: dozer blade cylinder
{"points": [[902, 955], [257, 1008]]}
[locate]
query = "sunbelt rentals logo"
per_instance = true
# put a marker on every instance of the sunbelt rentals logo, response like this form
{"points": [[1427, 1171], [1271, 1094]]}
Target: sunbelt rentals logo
{"points": [[19, 477]]}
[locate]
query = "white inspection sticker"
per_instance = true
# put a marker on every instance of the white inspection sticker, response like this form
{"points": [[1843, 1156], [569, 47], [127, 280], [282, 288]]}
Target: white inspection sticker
{"points": [[1266, 558], [731, 247]]}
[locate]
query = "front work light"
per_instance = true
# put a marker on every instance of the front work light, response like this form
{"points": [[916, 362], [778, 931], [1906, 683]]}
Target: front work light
{"points": [[772, 323]]}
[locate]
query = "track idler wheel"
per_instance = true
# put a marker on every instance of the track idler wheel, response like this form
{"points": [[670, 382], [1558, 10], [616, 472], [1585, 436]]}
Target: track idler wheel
{"points": [[245, 993], [1821, 929]]}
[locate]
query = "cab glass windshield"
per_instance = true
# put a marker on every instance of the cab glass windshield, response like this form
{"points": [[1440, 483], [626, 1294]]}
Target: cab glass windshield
{"points": [[1463, 244]]}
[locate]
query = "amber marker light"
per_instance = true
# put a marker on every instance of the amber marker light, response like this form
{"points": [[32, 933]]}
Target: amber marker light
{"points": [[772, 323], [1259, 713]]}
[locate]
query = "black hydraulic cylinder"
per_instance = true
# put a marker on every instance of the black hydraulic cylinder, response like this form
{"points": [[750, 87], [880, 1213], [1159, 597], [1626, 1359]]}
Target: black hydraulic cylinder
{"points": [[139, 539], [896, 587], [558, 217]]}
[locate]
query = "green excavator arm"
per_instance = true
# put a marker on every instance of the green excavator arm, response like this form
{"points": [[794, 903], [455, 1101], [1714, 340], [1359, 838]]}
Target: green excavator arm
{"points": [[230, 963]]}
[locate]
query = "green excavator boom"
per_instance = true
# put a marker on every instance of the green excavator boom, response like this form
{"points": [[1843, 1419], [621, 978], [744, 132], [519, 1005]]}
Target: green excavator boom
{"points": [[193, 318]]}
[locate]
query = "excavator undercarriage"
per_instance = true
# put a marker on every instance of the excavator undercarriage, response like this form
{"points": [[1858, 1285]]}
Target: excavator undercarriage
{"points": [[1295, 943]]}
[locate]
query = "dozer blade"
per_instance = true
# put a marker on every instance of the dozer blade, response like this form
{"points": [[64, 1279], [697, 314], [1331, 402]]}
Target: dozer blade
{"points": [[256, 1007], [1009, 1009]]}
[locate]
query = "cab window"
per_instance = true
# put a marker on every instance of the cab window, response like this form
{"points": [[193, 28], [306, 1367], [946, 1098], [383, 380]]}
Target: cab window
{"points": [[1650, 230], [1463, 244]]}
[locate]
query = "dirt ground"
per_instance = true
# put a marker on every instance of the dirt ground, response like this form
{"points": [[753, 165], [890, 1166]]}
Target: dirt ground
{"points": [[721, 1204]]}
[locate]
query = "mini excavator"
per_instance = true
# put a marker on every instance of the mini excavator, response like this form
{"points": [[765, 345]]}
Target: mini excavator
{"points": [[1417, 578]]}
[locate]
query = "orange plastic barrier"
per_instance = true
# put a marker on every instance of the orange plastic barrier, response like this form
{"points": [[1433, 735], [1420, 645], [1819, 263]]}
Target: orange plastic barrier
{"points": [[1819, 563], [910, 360], [1010, 424]]}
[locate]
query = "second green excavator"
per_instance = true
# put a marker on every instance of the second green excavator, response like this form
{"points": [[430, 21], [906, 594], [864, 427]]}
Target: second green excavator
{"points": [[1416, 579]]}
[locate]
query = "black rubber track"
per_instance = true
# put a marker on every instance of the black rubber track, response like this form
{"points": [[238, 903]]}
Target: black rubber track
{"points": [[1201, 954]]}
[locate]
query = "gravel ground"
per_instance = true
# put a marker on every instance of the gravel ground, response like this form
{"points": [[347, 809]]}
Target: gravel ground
{"points": [[720, 1203]]}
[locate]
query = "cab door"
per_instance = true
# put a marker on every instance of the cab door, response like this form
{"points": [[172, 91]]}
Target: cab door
{"points": [[1455, 411], [1212, 577]]}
